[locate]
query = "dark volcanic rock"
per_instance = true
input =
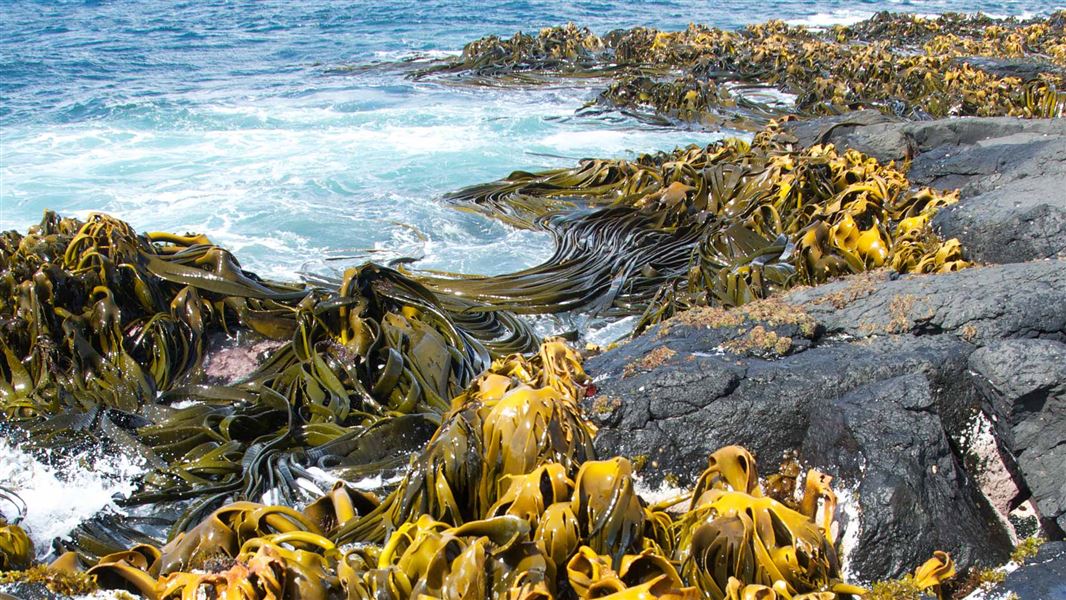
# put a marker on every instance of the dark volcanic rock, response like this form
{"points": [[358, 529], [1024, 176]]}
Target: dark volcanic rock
{"points": [[875, 394], [862, 411], [1043, 577], [1012, 174], [979, 304], [915, 498], [1024, 384]]}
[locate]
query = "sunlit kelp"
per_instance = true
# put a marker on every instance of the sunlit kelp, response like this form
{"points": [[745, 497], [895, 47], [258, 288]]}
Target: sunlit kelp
{"points": [[105, 330], [509, 501], [905, 65], [16, 548], [720, 225]]}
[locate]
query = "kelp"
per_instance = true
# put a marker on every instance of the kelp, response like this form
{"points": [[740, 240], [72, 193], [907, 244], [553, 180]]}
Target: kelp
{"points": [[16, 548], [106, 331], [720, 225], [509, 501], [687, 99], [905, 65]]}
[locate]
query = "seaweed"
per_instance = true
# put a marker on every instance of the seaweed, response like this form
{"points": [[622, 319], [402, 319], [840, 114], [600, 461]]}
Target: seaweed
{"points": [[903, 65], [722, 225]]}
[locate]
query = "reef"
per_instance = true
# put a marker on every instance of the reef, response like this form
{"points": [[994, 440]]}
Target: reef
{"points": [[913, 67], [843, 292]]}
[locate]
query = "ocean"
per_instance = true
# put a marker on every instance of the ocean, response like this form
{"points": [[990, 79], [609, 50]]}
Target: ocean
{"points": [[288, 133]]}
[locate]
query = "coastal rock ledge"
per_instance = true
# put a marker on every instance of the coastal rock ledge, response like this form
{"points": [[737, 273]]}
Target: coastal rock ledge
{"points": [[937, 402]]}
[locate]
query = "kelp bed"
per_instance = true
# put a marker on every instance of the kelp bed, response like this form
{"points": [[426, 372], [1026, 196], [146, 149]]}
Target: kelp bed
{"points": [[913, 67], [507, 500], [104, 333]]}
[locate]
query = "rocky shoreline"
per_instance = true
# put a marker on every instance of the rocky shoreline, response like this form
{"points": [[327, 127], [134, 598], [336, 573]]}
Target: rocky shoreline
{"points": [[820, 298], [887, 390]]}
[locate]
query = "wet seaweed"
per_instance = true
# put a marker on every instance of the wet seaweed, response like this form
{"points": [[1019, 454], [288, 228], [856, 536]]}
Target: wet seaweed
{"points": [[905, 65], [721, 225], [105, 331]]}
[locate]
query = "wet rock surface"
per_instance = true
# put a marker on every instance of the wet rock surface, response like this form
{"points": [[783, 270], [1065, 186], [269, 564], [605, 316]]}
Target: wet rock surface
{"points": [[1043, 576], [1011, 172], [1023, 383], [879, 392]]}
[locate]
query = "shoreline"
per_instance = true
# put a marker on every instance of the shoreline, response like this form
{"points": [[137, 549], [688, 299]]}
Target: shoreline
{"points": [[674, 239]]}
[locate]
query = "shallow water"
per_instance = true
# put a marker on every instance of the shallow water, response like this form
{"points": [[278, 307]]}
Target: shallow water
{"points": [[286, 132], [237, 119]]}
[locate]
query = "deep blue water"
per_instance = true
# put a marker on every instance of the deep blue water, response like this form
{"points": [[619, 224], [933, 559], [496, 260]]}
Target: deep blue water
{"points": [[235, 119]]}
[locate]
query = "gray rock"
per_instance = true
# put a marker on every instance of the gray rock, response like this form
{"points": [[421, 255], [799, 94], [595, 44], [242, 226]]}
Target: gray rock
{"points": [[914, 496], [862, 411], [1043, 577], [1026, 300], [1012, 174], [28, 591], [1022, 68], [1024, 385]]}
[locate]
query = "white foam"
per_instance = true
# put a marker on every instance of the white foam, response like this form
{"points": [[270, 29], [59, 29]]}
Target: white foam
{"points": [[60, 497], [396, 55], [612, 331], [661, 493], [844, 16]]}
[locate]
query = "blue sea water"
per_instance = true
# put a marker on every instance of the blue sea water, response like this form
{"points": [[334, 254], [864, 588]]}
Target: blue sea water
{"points": [[285, 132]]}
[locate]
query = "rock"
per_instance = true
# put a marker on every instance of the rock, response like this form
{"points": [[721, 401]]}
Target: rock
{"points": [[913, 496], [864, 411], [28, 591], [1024, 385], [1011, 172], [980, 304], [1043, 577], [1025, 69]]}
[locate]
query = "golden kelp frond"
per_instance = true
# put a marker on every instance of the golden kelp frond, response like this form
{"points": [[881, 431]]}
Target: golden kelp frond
{"points": [[108, 328], [926, 579], [559, 524], [721, 225], [16, 547], [507, 502]]}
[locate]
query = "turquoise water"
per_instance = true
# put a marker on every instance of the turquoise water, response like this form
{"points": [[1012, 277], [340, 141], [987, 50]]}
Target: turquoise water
{"points": [[286, 132]]}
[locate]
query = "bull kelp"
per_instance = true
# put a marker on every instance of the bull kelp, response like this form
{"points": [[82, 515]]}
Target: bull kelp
{"points": [[108, 329], [720, 225], [912, 67], [507, 500], [437, 379], [105, 330]]}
